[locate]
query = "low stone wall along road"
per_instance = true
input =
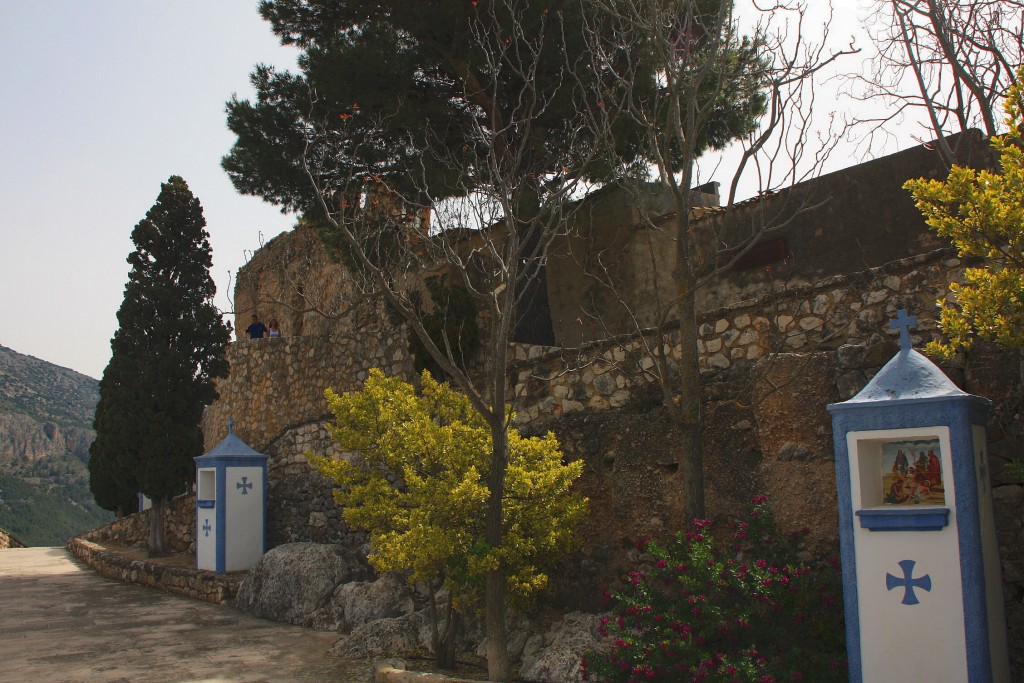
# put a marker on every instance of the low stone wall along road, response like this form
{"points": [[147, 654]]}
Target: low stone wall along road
{"points": [[62, 623]]}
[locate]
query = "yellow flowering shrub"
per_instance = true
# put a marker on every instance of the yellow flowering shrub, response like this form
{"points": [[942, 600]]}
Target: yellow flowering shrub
{"points": [[982, 213], [416, 480]]}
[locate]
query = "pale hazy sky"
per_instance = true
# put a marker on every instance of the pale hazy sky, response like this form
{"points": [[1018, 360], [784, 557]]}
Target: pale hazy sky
{"points": [[100, 102]]}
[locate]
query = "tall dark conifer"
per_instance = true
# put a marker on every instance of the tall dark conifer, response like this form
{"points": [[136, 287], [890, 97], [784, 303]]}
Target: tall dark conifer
{"points": [[112, 482], [167, 352]]}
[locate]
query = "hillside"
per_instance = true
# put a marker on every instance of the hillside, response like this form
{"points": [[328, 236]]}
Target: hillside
{"points": [[46, 416]]}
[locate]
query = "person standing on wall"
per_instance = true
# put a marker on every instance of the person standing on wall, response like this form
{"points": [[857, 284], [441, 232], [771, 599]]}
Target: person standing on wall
{"points": [[256, 329]]}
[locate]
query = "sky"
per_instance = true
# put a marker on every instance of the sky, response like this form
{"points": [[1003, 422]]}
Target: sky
{"points": [[100, 103]]}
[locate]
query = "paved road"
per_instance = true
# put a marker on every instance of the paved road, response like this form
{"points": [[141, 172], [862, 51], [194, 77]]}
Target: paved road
{"points": [[61, 622]]}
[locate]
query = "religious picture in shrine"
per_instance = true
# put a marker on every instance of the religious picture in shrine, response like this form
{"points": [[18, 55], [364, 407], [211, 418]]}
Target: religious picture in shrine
{"points": [[912, 473]]}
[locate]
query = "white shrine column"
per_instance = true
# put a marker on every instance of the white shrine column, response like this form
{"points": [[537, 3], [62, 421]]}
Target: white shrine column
{"points": [[921, 576], [231, 506]]}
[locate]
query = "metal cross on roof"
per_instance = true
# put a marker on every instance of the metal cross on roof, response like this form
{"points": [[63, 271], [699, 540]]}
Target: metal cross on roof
{"points": [[903, 323]]}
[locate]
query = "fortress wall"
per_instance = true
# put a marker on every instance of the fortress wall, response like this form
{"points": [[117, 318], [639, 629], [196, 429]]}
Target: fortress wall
{"points": [[275, 391], [769, 367], [841, 310], [275, 394]]}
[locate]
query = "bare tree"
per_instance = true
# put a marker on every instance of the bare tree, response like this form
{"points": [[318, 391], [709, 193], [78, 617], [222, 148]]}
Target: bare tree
{"points": [[489, 234], [706, 66], [526, 115], [947, 65]]}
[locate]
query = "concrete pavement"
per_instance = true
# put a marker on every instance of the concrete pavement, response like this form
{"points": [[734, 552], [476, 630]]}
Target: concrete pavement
{"points": [[60, 622]]}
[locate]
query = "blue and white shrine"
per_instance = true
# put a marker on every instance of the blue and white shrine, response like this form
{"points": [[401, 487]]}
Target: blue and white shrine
{"points": [[231, 506], [921, 576]]}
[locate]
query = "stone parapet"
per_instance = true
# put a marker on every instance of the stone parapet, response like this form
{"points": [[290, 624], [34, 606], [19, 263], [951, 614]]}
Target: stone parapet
{"points": [[275, 394], [841, 310], [276, 383], [8, 541], [179, 527], [189, 581]]}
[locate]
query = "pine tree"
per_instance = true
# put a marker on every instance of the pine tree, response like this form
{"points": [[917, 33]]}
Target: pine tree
{"points": [[496, 103], [167, 351]]}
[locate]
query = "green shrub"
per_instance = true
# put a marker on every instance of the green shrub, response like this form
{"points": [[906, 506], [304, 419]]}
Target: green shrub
{"points": [[748, 610]]}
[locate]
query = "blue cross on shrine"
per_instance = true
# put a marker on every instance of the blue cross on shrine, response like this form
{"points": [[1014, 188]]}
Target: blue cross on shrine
{"points": [[245, 485], [207, 528], [903, 323], [908, 583]]}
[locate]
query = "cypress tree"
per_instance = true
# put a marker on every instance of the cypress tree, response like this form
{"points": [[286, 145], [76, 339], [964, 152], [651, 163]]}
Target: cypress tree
{"points": [[167, 352], [113, 486]]}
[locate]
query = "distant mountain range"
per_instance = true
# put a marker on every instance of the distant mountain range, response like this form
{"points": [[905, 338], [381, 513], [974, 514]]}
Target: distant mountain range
{"points": [[46, 414]]}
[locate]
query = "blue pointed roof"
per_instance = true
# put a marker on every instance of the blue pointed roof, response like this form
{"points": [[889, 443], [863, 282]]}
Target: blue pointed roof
{"points": [[909, 375], [231, 447]]}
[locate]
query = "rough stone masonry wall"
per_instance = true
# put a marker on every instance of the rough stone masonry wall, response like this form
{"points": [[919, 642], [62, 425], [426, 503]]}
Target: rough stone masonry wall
{"points": [[849, 309], [194, 583], [275, 394], [766, 363], [769, 367], [179, 527], [8, 541]]}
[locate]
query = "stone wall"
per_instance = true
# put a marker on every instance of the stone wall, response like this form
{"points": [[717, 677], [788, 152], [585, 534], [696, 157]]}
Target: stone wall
{"points": [[275, 394], [851, 310], [852, 220], [769, 367], [300, 506], [762, 366], [8, 541], [293, 279], [189, 581], [179, 527]]}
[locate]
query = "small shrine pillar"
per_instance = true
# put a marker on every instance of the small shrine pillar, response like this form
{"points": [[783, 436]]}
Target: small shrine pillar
{"points": [[921, 577], [231, 506]]}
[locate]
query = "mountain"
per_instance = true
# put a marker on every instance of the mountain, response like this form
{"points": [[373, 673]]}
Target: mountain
{"points": [[46, 416]]}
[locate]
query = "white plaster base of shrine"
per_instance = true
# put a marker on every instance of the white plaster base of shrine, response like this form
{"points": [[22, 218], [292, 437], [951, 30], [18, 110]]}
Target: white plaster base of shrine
{"points": [[231, 508], [891, 649], [921, 576]]}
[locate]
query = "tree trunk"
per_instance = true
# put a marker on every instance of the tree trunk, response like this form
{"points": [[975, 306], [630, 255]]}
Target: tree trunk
{"points": [[447, 647], [688, 416], [499, 668], [444, 641], [156, 526]]}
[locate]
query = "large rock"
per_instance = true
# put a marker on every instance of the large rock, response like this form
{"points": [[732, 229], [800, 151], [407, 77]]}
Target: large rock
{"points": [[295, 582], [360, 602], [385, 637], [556, 655]]}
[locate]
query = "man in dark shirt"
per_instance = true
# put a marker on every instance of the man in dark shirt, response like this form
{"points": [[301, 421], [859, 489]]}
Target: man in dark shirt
{"points": [[256, 330]]}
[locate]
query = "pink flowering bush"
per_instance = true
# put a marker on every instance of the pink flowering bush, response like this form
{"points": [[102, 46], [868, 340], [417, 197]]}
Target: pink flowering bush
{"points": [[747, 611]]}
